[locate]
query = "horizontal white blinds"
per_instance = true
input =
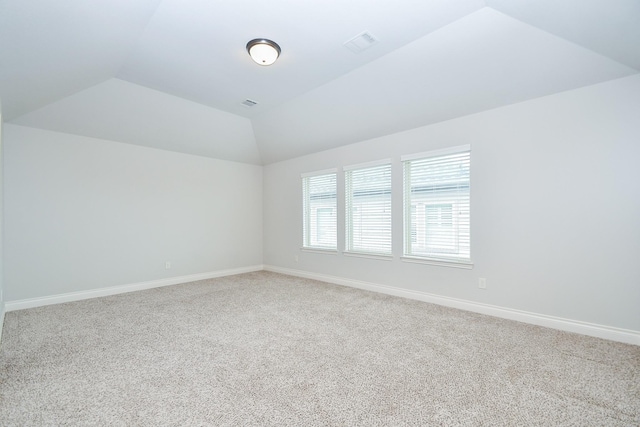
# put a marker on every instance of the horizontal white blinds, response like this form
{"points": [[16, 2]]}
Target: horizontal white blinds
{"points": [[319, 211], [437, 206], [368, 209]]}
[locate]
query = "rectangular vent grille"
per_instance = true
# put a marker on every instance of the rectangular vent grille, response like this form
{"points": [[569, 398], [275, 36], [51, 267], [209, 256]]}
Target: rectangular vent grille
{"points": [[361, 42], [249, 103]]}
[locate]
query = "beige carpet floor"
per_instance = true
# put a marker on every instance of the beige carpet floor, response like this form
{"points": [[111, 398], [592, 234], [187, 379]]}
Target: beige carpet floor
{"points": [[268, 349]]}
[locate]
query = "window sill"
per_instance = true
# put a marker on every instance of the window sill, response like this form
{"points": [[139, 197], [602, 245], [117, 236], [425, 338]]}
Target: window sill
{"points": [[369, 255], [320, 251], [467, 265]]}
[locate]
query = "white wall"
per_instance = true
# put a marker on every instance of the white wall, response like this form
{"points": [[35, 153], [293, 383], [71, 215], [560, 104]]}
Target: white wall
{"points": [[84, 213], [555, 207]]}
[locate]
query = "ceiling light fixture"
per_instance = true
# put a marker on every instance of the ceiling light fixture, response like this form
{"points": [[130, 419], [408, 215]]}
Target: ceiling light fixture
{"points": [[263, 51]]}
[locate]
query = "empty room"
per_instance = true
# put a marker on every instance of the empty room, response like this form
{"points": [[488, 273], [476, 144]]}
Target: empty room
{"points": [[336, 213]]}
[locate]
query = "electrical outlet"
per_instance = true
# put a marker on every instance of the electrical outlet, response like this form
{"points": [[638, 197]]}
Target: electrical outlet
{"points": [[167, 265], [482, 283], [296, 258]]}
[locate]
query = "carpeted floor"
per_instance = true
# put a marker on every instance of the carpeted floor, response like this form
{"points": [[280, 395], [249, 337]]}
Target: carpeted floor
{"points": [[268, 349]]}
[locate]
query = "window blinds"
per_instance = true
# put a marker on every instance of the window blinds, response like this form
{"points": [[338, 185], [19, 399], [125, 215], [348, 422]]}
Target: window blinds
{"points": [[368, 209], [437, 205], [319, 211]]}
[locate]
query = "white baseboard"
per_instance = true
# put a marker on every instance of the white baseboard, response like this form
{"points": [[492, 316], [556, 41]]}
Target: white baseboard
{"points": [[113, 290], [600, 331], [584, 328]]}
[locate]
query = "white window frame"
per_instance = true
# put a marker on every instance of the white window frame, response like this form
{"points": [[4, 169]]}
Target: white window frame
{"points": [[310, 219], [446, 247], [356, 245]]}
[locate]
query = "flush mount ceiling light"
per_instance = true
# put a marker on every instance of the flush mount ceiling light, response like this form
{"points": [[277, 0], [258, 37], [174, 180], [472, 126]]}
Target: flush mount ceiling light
{"points": [[263, 51]]}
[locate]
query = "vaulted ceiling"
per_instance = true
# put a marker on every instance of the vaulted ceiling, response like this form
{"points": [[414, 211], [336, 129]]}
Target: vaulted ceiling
{"points": [[172, 74]]}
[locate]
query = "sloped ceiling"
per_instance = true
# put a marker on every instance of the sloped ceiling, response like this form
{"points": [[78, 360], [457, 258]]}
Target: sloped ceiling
{"points": [[172, 74]]}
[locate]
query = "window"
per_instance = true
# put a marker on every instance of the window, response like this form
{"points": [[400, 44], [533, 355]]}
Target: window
{"points": [[368, 209], [437, 205], [319, 210]]}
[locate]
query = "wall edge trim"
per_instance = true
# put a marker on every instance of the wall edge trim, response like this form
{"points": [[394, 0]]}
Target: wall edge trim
{"points": [[121, 289], [2, 312], [626, 336]]}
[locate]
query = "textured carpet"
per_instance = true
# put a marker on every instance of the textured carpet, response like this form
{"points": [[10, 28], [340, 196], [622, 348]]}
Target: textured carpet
{"points": [[269, 349]]}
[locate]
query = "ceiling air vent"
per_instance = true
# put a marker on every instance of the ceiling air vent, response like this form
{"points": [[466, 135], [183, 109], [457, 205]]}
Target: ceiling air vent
{"points": [[249, 103], [361, 42]]}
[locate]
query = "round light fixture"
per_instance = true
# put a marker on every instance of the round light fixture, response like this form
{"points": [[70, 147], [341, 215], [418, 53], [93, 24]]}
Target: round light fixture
{"points": [[263, 51]]}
